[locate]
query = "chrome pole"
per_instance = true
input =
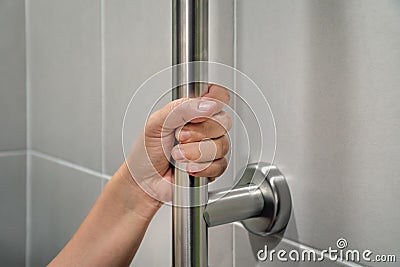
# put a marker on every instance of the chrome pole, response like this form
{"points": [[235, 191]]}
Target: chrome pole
{"points": [[189, 43]]}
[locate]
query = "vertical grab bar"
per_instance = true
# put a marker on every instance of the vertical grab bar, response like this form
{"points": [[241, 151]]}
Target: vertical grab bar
{"points": [[189, 43]]}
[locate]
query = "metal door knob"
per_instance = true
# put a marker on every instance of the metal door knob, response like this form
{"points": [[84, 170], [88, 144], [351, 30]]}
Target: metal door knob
{"points": [[260, 200]]}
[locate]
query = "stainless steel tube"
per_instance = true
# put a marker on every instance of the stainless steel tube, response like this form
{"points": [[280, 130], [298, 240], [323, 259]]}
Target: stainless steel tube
{"points": [[189, 43], [233, 205]]}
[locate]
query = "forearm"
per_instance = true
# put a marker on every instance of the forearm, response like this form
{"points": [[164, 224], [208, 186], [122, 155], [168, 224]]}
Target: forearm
{"points": [[111, 233]]}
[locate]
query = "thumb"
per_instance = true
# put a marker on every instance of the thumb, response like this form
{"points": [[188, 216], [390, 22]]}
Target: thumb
{"points": [[179, 112]]}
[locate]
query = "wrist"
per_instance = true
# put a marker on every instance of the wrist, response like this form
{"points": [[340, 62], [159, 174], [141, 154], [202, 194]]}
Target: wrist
{"points": [[136, 199]]}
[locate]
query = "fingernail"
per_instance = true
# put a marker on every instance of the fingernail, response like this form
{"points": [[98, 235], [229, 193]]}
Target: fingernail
{"points": [[177, 154], [206, 105], [184, 135]]}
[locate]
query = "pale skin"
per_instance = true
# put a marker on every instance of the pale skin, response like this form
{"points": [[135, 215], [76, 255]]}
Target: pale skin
{"points": [[114, 228]]}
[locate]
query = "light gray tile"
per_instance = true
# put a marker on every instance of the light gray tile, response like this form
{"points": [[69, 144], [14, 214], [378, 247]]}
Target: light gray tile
{"points": [[156, 247], [329, 69], [137, 45], [12, 210], [221, 31], [12, 75], [220, 246], [65, 79], [61, 197]]}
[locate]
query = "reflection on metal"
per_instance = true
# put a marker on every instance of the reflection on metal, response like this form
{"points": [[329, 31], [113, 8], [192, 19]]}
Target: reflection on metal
{"points": [[261, 200], [189, 43], [263, 209], [231, 205]]}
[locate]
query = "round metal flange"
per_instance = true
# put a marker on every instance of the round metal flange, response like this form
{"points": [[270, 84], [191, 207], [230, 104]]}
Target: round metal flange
{"points": [[277, 200]]}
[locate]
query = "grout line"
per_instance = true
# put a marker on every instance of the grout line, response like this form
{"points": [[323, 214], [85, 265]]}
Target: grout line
{"points": [[103, 79], [28, 139], [234, 108], [28, 209], [12, 153], [69, 164], [235, 34]]}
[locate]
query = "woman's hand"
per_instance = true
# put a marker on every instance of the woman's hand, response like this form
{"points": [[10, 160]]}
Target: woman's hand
{"points": [[113, 230], [201, 127]]}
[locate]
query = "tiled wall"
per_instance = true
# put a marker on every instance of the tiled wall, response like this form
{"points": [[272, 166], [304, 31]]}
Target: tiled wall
{"points": [[136, 46], [12, 133], [12, 208], [12, 75], [65, 119], [85, 60], [328, 68]]}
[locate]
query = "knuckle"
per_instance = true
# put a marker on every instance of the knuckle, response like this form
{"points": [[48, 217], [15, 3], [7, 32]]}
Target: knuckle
{"points": [[178, 133], [185, 135], [228, 122], [223, 166], [191, 151], [151, 122], [175, 105], [228, 95], [224, 145], [224, 163], [222, 122], [192, 133], [204, 133]]}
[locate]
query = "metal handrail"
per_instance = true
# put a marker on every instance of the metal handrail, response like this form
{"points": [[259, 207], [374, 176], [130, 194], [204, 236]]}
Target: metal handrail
{"points": [[189, 43]]}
